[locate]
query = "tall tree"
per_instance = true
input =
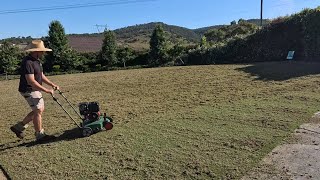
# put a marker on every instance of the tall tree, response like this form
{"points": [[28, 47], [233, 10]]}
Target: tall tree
{"points": [[108, 53], [158, 47], [8, 58], [62, 54]]}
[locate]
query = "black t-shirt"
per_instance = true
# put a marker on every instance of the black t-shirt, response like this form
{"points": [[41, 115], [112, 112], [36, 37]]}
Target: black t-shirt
{"points": [[29, 65]]}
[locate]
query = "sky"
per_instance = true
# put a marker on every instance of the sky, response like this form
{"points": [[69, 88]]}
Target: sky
{"points": [[115, 14]]}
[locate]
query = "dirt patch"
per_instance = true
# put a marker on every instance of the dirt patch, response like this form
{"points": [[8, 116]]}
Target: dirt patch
{"points": [[297, 159]]}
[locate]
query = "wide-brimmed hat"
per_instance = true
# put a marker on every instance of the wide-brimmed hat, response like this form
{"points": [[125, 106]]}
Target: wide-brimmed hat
{"points": [[37, 45]]}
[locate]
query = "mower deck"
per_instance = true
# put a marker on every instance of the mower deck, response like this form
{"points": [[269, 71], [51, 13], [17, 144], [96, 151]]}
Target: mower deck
{"points": [[89, 128]]}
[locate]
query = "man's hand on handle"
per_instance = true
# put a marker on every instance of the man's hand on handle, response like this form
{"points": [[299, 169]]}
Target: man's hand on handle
{"points": [[49, 91], [55, 87]]}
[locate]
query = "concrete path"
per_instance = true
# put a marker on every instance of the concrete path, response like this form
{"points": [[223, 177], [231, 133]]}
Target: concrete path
{"points": [[297, 160]]}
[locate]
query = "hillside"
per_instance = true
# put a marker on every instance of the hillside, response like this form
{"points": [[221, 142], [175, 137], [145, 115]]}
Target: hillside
{"points": [[146, 29], [203, 30], [136, 37], [299, 32]]}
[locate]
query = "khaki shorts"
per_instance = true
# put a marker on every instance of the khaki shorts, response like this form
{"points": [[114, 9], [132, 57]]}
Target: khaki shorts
{"points": [[34, 99]]}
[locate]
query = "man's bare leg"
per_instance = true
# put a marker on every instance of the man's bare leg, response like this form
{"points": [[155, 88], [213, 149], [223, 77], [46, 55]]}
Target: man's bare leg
{"points": [[22, 125], [41, 136], [37, 120], [28, 118]]}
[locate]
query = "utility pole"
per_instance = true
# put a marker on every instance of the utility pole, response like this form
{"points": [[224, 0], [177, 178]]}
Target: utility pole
{"points": [[261, 13], [103, 26]]}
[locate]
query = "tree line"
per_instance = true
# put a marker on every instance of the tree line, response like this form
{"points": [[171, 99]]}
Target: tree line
{"points": [[64, 59]]}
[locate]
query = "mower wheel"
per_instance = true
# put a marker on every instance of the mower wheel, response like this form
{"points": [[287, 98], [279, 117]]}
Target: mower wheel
{"points": [[108, 125], [86, 132]]}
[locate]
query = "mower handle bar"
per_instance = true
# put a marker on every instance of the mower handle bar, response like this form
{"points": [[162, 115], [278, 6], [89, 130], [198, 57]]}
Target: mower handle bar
{"points": [[61, 93], [55, 99]]}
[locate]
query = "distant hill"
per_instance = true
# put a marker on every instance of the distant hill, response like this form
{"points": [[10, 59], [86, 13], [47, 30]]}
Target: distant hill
{"points": [[203, 30], [86, 42], [146, 29], [136, 37], [18, 40]]}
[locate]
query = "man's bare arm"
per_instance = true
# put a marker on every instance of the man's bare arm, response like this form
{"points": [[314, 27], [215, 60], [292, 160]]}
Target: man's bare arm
{"points": [[47, 81], [35, 85]]}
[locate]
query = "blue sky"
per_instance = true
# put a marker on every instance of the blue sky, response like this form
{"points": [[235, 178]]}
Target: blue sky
{"points": [[187, 13]]}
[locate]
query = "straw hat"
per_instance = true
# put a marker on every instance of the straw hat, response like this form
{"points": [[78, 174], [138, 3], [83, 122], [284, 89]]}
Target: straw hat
{"points": [[37, 45]]}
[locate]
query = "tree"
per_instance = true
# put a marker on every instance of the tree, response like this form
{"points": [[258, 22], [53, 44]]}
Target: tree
{"points": [[241, 21], [158, 47], [244, 28], [108, 53], [215, 35], [124, 55], [8, 58], [62, 54], [233, 22], [176, 52], [227, 33], [204, 43]]}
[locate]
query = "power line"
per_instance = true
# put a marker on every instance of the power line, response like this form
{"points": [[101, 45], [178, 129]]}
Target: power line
{"points": [[103, 26], [73, 6]]}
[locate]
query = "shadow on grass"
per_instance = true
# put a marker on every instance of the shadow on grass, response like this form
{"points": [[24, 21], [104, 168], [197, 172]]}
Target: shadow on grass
{"points": [[281, 71], [9, 145], [67, 135]]}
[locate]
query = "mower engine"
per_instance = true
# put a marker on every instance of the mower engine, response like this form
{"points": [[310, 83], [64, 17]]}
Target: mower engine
{"points": [[90, 111]]}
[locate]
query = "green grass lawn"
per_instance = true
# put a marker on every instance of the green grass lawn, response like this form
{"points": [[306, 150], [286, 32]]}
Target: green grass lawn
{"points": [[198, 122]]}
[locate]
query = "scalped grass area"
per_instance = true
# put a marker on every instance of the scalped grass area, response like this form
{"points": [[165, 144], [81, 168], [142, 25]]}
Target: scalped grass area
{"points": [[201, 122]]}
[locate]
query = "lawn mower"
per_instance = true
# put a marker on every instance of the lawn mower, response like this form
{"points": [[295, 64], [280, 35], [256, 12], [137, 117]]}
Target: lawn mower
{"points": [[92, 120]]}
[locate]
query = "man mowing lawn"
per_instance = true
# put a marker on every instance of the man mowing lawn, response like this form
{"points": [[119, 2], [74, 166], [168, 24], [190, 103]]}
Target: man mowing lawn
{"points": [[30, 87]]}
